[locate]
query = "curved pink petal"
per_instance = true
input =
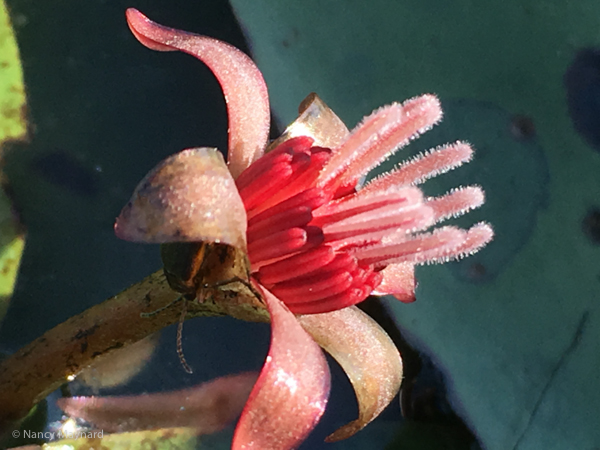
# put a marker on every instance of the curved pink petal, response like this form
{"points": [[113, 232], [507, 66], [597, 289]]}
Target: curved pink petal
{"points": [[242, 83], [188, 197], [367, 355], [292, 390], [208, 407]]}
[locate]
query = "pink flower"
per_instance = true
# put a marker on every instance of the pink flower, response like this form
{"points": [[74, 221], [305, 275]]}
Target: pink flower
{"points": [[317, 242]]}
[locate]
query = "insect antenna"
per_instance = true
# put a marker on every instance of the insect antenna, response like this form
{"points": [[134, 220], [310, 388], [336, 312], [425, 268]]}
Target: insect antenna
{"points": [[182, 359]]}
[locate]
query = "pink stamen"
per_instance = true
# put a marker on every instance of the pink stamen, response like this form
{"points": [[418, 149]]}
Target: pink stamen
{"points": [[430, 247], [275, 177], [423, 167], [296, 266], [362, 202], [277, 245], [295, 217], [301, 181], [319, 245], [339, 301], [312, 198], [358, 142], [399, 126], [282, 154], [338, 281], [360, 275], [386, 218], [478, 236], [296, 292], [339, 264], [343, 261], [457, 202], [363, 240], [314, 238]]}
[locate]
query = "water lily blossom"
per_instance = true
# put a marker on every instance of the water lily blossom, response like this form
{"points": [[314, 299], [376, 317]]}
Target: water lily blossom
{"points": [[317, 242]]}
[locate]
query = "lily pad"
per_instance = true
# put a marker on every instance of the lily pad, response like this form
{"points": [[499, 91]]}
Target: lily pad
{"points": [[13, 126], [519, 351]]}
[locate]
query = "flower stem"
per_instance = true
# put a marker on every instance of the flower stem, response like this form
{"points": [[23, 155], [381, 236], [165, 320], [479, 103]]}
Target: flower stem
{"points": [[39, 368]]}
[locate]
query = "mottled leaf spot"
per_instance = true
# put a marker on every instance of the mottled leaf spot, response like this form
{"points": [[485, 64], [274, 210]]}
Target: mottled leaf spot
{"points": [[582, 82], [591, 225]]}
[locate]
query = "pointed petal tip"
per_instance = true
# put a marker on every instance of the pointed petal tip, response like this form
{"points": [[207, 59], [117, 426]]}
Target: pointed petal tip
{"points": [[346, 431], [243, 85], [145, 30], [133, 15]]}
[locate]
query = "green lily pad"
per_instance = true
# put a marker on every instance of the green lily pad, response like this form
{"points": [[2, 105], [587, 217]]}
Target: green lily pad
{"points": [[518, 343], [12, 91], [164, 439], [13, 126]]}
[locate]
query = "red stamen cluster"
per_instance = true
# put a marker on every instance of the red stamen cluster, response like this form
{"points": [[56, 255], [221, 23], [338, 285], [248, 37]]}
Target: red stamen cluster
{"points": [[287, 245], [320, 245], [309, 249]]}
